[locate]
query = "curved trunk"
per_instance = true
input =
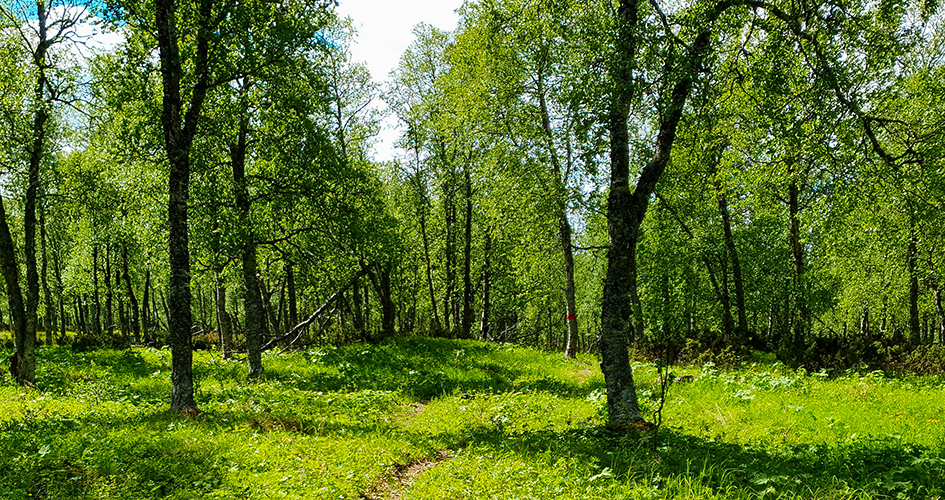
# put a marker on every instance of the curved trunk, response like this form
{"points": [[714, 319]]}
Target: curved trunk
{"points": [[564, 225], [14, 295]]}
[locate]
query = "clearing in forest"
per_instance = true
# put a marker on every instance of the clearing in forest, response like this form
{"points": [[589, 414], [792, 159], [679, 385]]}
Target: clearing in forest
{"points": [[419, 418]]}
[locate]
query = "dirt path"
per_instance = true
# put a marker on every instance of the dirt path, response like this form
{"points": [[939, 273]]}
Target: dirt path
{"points": [[402, 476]]}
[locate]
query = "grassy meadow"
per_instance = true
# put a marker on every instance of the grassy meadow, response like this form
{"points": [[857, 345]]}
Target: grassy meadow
{"points": [[421, 418]]}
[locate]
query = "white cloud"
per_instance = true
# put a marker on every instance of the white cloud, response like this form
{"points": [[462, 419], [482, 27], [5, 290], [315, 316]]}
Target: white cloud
{"points": [[384, 28], [384, 33]]}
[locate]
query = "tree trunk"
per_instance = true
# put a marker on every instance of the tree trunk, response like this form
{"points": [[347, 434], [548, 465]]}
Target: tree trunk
{"points": [[47, 295], [388, 308], [380, 278], [270, 321], [626, 210], [26, 345], [940, 315], [206, 309], [281, 323], [865, 324], [437, 326], [451, 313], [252, 299], [570, 300], [486, 289], [367, 307], [915, 334], [622, 404], [96, 299], [155, 312], [109, 313], [293, 296], [146, 311], [797, 254], [252, 303], [721, 292], [564, 225], [122, 313], [422, 217], [80, 314], [178, 139], [357, 315], [742, 332], [467, 319], [60, 294], [25, 351], [130, 292], [223, 317]]}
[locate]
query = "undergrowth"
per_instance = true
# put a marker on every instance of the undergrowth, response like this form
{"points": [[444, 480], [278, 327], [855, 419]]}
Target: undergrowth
{"points": [[333, 422]]}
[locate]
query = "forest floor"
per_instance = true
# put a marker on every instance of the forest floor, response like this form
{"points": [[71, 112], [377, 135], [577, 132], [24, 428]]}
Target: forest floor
{"points": [[421, 418]]}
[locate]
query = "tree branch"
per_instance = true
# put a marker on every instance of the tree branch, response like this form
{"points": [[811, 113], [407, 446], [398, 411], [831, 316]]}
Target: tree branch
{"points": [[272, 343]]}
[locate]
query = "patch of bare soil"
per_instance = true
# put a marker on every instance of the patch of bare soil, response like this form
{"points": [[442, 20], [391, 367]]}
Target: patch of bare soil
{"points": [[402, 476], [416, 409], [581, 376]]}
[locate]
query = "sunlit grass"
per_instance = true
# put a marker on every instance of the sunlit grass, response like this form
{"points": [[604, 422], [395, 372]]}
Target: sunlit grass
{"points": [[502, 422]]}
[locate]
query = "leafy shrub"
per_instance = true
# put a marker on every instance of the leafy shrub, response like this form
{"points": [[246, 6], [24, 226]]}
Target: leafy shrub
{"points": [[86, 342], [697, 352], [923, 359]]}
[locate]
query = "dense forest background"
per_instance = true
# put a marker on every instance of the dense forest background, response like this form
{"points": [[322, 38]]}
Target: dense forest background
{"points": [[799, 212]]}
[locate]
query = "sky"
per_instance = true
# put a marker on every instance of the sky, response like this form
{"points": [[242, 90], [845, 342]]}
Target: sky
{"points": [[384, 33]]}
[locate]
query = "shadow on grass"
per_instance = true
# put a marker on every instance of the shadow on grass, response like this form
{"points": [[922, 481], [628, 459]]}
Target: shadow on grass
{"points": [[129, 461], [424, 368], [875, 468], [89, 455], [134, 451]]}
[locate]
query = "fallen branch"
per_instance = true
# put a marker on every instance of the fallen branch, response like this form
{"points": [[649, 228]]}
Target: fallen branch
{"points": [[321, 325], [297, 328]]}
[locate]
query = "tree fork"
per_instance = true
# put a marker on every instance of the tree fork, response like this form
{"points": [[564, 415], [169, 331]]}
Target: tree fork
{"points": [[626, 210], [178, 139]]}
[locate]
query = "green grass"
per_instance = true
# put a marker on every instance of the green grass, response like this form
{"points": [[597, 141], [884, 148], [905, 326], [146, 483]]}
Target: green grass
{"points": [[502, 422]]}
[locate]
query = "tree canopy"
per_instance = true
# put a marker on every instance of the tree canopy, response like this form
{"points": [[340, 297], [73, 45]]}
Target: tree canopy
{"points": [[690, 180]]}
